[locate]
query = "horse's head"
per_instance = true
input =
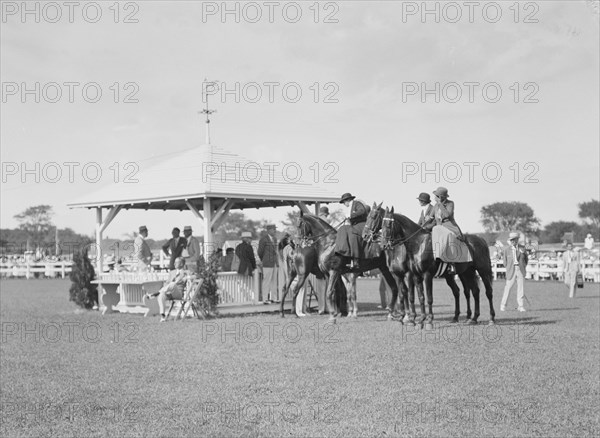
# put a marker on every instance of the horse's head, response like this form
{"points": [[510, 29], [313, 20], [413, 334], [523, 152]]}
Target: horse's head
{"points": [[373, 224], [304, 228], [387, 228]]}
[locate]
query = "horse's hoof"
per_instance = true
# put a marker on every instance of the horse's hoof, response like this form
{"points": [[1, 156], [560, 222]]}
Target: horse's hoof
{"points": [[454, 321], [472, 322], [491, 322]]}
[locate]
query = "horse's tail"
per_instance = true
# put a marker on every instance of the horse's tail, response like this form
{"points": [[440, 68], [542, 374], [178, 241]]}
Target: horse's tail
{"points": [[481, 258]]}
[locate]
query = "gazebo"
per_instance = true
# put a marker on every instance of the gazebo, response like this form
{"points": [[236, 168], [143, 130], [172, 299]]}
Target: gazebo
{"points": [[209, 181]]}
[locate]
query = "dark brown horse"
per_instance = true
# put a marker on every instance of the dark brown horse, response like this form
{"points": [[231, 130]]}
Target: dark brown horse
{"points": [[321, 236], [397, 230]]}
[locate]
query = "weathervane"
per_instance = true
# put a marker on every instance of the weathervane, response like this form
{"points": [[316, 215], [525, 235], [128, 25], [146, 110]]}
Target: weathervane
{"points": [[205, 86]]}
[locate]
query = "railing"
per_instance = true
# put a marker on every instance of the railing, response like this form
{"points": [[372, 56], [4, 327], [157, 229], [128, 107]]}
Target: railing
{"points": [[551, 270], [237, 289], [27, 270]]}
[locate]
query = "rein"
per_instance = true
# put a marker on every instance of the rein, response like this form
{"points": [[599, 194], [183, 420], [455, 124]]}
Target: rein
{"points": [[311, 240], [395, 242]]}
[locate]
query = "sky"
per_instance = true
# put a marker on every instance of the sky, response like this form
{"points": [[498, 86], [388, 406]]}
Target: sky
{"points": [[497, 103]]}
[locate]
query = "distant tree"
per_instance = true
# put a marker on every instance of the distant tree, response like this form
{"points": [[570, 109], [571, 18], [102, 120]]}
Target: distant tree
{"points": [[554, 231], [509, 216], [590, 211], [233, 225], [36, 222], [82, 292]]}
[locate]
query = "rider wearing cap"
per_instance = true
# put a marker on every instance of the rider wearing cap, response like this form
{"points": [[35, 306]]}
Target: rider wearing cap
{"points": [[447, 238], [348, 242]]}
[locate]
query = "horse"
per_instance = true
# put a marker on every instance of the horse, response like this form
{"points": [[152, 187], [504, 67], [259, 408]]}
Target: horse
{"points": [[303, 262], [398, 262], [321, 236], [397, 229]]}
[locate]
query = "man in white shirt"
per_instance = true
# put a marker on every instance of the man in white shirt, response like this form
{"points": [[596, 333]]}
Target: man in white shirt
{"points": [[193, 250], [589, 242], [570, 268], [142, 253], [515, 261]]}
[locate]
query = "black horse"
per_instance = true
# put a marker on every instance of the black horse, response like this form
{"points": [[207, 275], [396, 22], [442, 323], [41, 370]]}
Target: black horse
{"points": [[321, 236], [397, 230]]}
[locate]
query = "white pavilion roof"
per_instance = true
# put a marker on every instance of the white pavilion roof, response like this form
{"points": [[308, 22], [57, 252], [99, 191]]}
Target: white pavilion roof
{"points": [[209, 171]]}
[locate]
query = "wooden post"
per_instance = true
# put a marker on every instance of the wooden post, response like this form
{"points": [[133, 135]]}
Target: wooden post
{"points": [[99, 253], [208, 236], [317, 207]]}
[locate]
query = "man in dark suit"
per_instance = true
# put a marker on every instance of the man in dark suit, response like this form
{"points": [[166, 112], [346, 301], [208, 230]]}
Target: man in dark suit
{"points": [[426, 221], [267, 251], [245, 254], [174, 247], [515, 261]]}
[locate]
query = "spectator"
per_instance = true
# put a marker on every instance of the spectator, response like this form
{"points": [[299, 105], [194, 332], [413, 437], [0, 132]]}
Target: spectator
{"points": [[142, 253], [515, 261], [324, 214], [267, 252], [227, 259], [173, 288], [192, 249], [174, 247], [245, 254], [283, 267], [589, 242], [570, 268]]}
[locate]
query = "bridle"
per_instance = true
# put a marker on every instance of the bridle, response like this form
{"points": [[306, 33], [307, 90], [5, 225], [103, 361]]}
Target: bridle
{"points": [[308, 239], [372, 236], [394, 242]]}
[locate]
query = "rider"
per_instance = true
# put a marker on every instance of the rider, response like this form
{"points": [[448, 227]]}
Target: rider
{"points": [[426, 221], [447, 238], [348, 242]]}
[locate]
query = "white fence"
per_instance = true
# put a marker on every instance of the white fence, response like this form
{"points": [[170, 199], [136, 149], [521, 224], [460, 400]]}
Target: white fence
{"points": [[27, 270]]}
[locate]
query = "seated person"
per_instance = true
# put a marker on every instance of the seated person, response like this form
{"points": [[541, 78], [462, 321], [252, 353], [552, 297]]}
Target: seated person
{"points": [[447, 238], [173, 288], [348, 242]]}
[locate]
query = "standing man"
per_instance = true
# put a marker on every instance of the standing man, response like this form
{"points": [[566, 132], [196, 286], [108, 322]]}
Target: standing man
{"points": [[174, 247], [267, 252], [426, 221], [515, 261], [142, 253], [570, 268], [324, 214], [245, 254], [193, 250]]}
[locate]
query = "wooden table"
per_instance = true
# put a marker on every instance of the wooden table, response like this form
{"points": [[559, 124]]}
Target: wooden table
{"points": [[128, 295]]}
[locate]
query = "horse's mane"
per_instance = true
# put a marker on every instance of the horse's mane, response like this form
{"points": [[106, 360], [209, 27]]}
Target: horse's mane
{"points": [[407, 224], [316, 222]]}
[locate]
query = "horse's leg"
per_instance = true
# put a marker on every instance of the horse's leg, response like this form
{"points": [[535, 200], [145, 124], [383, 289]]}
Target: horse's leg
{"points": [[406, 285], [301, 280], [350, 283], [429, 292], [487, 282], [411, 299], [475, 288], [394, 301], [456, 292], [391, 281], [467, 292], [292, 275], [421, 300], [333, 309]]}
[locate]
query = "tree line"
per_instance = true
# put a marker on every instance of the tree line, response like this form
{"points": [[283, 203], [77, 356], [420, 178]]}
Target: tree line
{"points": [[36, 228]]}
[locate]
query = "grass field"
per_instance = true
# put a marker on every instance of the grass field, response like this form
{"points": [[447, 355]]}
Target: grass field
{"points": [[67, 372]]}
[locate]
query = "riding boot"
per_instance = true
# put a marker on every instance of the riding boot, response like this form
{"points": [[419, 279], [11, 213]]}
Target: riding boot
{"points": [[451, 269]]}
